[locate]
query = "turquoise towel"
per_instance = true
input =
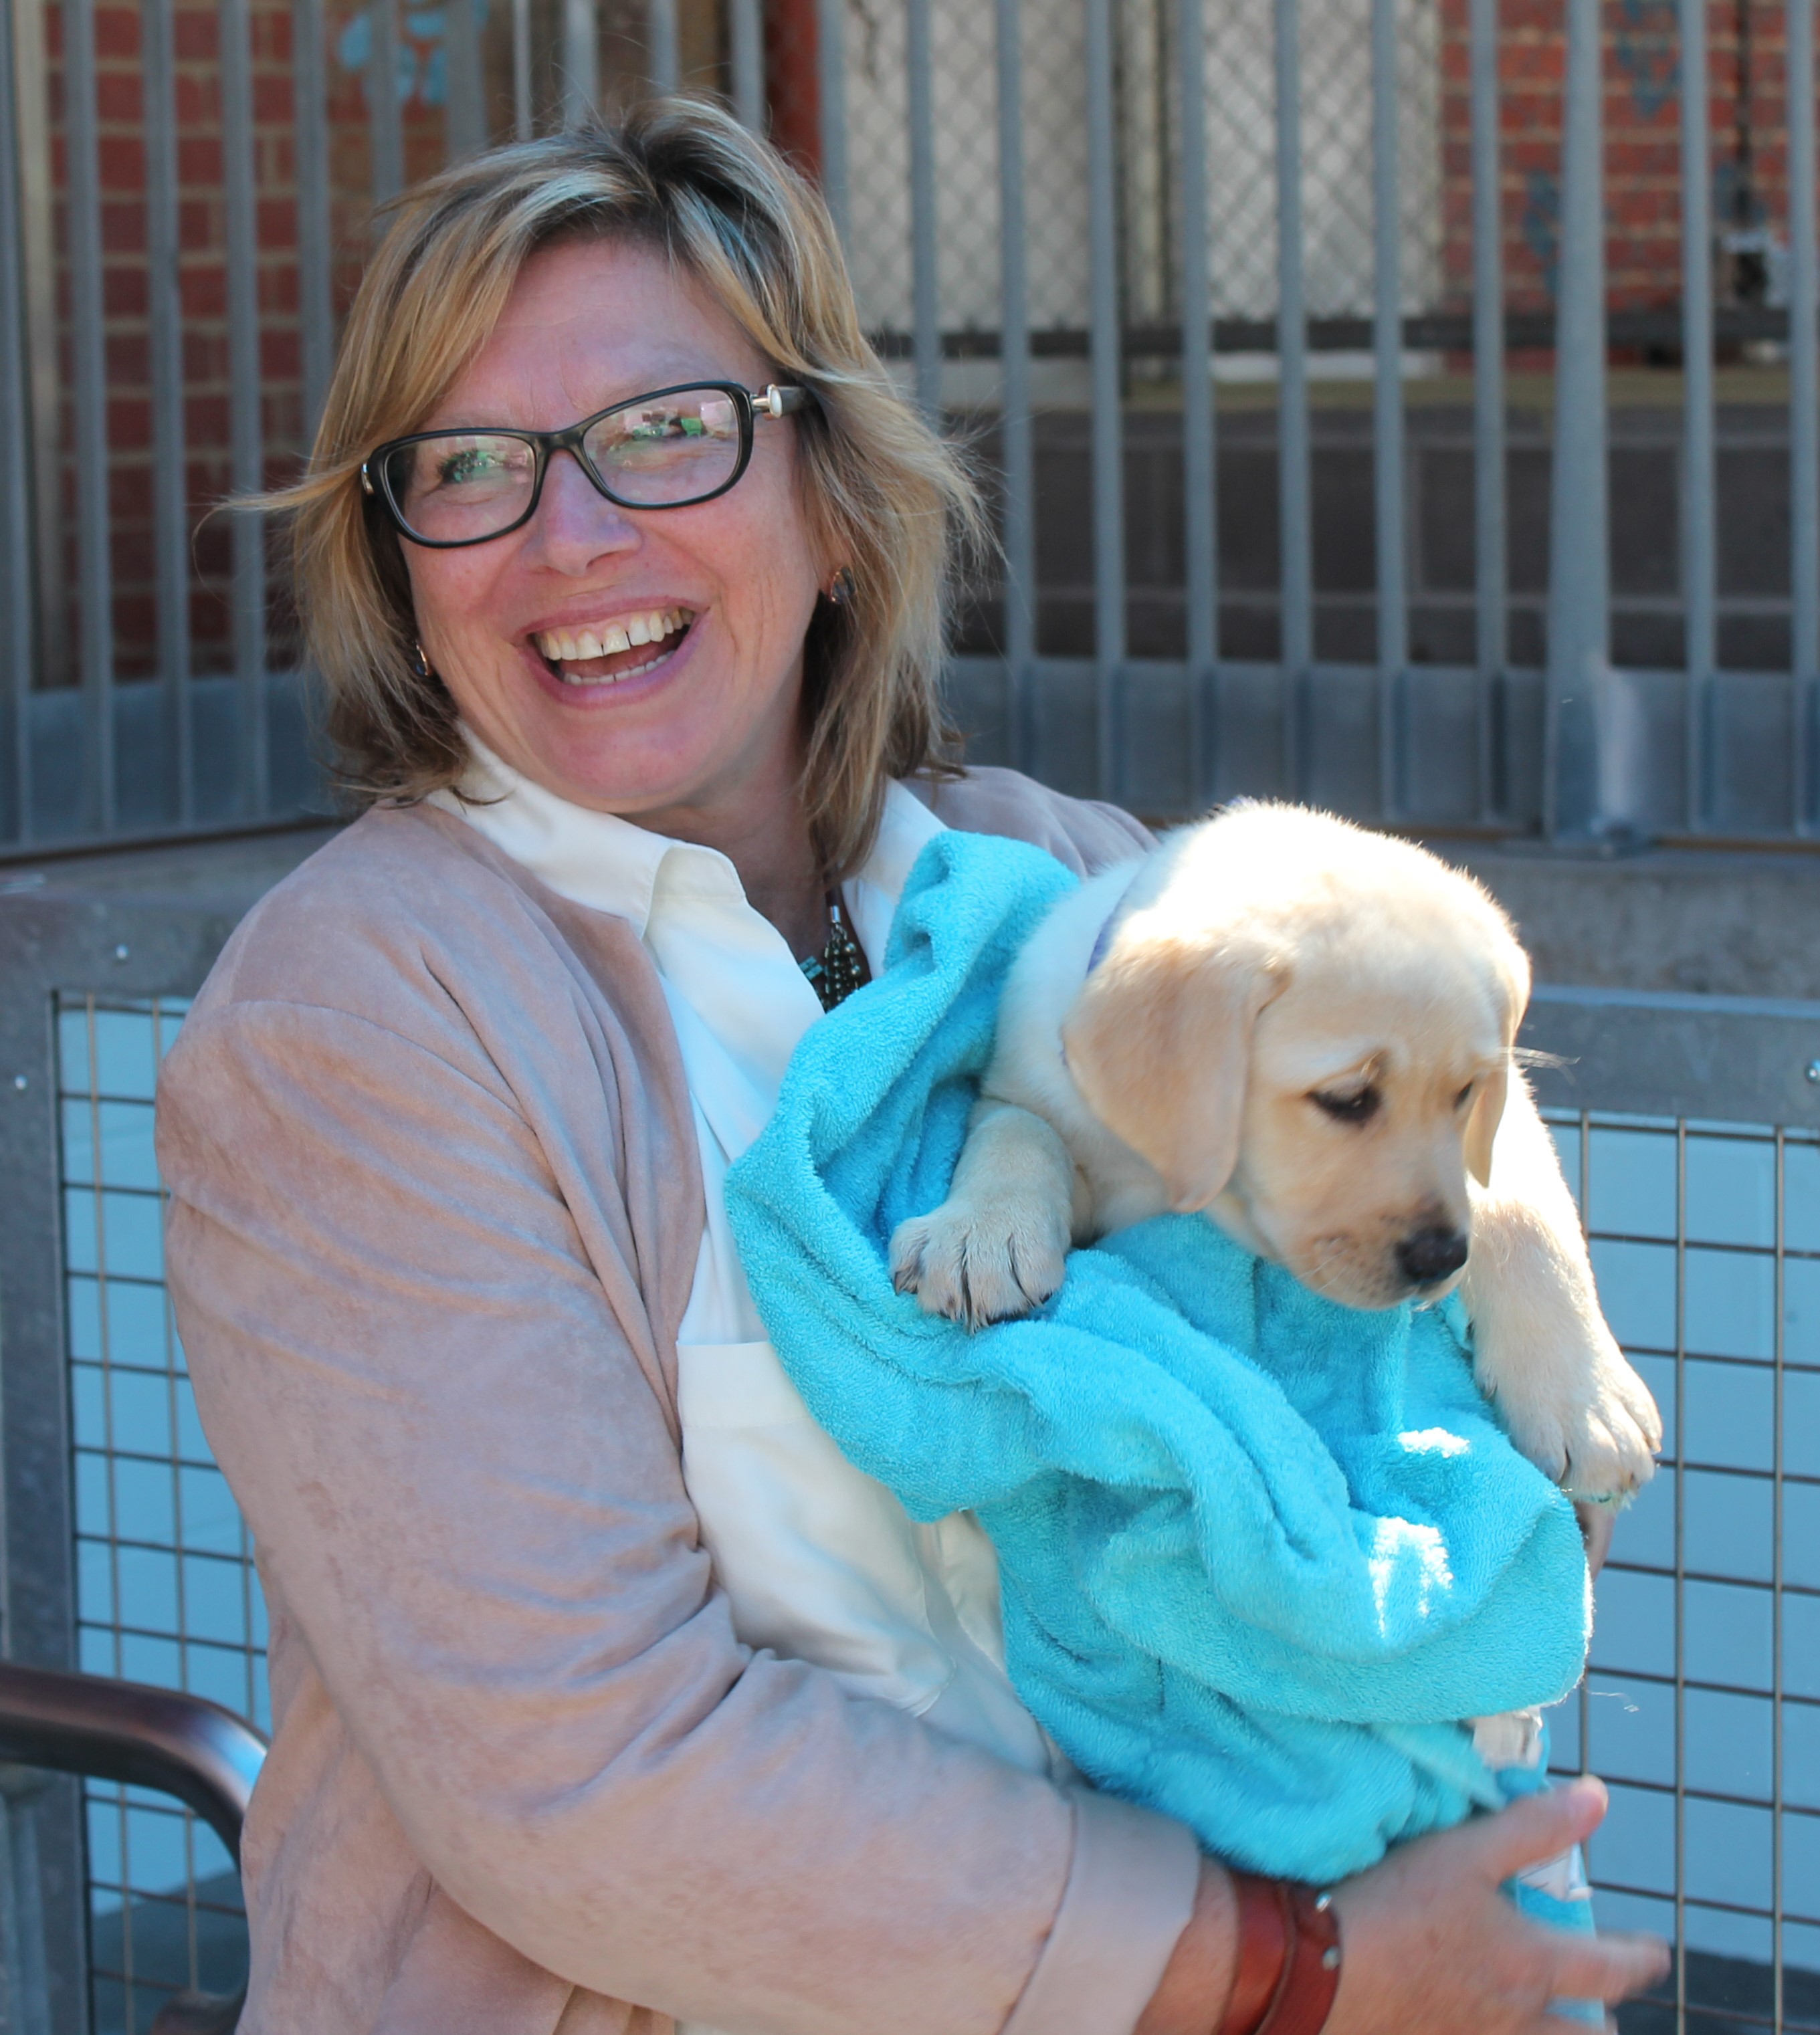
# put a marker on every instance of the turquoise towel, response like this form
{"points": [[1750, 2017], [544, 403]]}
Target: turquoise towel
{"points": [[1259, 1552]]}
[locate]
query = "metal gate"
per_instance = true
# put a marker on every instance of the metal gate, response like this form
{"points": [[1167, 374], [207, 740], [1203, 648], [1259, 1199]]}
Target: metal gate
{"points": [[1199, 283]]}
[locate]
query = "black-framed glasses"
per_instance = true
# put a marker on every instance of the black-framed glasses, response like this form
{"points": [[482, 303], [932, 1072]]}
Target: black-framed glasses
{"points": [[666, 449]]}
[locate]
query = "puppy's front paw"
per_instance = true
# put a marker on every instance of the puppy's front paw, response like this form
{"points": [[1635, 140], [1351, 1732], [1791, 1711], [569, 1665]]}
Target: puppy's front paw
{"points": [[1582, 1414], [979, 1265]]}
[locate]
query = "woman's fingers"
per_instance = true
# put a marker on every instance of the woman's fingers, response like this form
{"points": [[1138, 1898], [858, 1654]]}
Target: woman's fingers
{"points": [[1607, 1968], [1597, 1522], [1538, 1827]]}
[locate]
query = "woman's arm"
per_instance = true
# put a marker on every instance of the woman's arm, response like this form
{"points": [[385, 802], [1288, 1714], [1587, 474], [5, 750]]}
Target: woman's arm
{"points": [[420, 1346], [1432, 1947]]}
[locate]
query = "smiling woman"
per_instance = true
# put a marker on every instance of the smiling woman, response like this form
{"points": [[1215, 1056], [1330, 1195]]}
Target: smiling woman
{"points": [[607, 1693]]}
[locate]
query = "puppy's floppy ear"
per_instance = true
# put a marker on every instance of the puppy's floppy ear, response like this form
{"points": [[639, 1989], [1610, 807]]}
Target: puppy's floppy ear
{"points": [[1482, 1125], [1159, 1045], [1510, 973]]}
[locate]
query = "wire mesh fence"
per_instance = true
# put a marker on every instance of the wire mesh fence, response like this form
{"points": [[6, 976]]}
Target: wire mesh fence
{"points": [[166, 1592], [1702, 1705]]}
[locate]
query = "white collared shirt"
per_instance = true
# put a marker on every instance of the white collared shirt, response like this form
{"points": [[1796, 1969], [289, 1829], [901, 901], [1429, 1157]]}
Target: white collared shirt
{"points": [[820, 1563]]}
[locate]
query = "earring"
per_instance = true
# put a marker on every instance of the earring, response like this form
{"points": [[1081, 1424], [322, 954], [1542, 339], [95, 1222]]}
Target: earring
{"points": [[419, 663], [841, 589]]}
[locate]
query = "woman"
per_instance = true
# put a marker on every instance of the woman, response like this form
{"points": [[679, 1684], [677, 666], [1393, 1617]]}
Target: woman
{"points": [[605, 1690]]}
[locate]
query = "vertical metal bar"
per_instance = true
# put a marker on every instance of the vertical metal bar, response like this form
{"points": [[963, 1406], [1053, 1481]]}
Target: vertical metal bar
{"points": [[43, 375], [1016, 450], [386, 126], [1108, 418], [1777, 1898], [521, 128], [663, 56], [315, 304], [746, 34], [1387, 408], [95, 575], [1586, 1231], [1803, 403], [1578, 566], [831, 88], [1681, 1576], [925, 300], [17, 534], [1200, 541], [1698, 568], [170, 478], [1491, 592], [248, 452], [464, 117], [1295, 540]]}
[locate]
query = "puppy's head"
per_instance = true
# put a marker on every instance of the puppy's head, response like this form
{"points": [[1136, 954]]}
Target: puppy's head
{"points": [[1305, 1029]]}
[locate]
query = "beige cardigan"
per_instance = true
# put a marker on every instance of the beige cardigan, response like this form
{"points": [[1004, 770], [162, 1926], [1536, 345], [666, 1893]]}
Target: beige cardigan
{"points": [[435, 1213]]}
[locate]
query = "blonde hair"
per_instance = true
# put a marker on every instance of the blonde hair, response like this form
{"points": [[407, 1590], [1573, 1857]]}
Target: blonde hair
{"points": [[882, 493]]}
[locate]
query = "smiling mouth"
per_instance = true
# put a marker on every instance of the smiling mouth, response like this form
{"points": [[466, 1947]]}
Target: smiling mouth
{"points": [[603, 653]]}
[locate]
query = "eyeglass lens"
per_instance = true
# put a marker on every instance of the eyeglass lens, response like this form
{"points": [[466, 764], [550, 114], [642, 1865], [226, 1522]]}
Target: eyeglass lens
{"points": [[459, 487]]}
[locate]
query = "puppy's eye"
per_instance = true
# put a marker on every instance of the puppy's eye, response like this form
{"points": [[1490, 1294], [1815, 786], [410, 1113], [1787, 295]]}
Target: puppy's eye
{"points": [[1464, 1096], [1357, 1107]]}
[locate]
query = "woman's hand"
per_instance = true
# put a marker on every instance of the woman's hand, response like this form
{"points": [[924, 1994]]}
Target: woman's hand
{"points": [[1432, 1946]]}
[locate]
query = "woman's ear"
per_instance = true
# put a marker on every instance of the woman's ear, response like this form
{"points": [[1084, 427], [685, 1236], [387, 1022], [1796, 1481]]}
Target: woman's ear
{"points": [[1159, 1043]]}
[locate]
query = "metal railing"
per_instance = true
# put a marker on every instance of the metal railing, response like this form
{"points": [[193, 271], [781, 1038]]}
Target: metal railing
{"points": [[1057, 209], [146, 1738]]}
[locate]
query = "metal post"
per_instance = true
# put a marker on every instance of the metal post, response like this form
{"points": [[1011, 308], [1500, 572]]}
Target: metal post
{"points": [[384, 125], [832, 84], [581, 62], [1680, 1461], [316, 315], [38, 266], [663, 56], [1778, 2004], [925, 302], [745, 33], [1016, 449], [464, 118], [1490, 591], [1201, 540], [1698, 569], [245, 430], [1387, 409], [17, 548], [1108, 417], [521, 128], [170, 483], [1296, 540], [1803, 404], [95, 575], [1579, 623]]}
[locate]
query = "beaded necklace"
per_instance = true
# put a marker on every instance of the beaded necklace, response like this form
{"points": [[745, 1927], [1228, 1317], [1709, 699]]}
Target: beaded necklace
{"points": [[840, 968]]}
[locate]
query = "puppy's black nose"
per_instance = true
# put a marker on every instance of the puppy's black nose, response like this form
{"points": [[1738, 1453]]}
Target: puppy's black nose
{"points": [[1430, 1255]]}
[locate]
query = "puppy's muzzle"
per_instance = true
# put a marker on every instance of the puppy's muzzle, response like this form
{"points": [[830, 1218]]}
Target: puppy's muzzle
{"points": [[1427, 1256]]}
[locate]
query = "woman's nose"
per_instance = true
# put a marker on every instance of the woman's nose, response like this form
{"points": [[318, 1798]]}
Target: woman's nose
{"points": [[575, 523]]}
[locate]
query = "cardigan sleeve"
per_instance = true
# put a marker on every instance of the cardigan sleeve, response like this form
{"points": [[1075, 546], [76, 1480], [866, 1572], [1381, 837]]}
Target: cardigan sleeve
{"points": [[421, 1350]]}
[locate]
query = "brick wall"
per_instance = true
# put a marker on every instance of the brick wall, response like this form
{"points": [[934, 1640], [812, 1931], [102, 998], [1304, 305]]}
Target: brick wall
{"points": [[1642, 111]]}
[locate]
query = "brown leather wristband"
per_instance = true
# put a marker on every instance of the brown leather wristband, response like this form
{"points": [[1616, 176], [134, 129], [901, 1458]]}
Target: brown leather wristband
{"points": [[1288, 1965]]}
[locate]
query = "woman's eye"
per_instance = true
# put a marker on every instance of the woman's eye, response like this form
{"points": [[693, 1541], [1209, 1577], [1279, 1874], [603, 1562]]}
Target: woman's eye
{"points": [[1357, 1107]]}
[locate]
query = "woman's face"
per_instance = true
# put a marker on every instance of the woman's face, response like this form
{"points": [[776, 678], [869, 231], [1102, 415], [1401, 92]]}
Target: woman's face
{"points": [[705, 718]]}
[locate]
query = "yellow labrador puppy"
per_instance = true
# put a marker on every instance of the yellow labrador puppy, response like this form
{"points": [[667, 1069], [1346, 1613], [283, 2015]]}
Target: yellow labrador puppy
{"points": [[1305, 1030]]}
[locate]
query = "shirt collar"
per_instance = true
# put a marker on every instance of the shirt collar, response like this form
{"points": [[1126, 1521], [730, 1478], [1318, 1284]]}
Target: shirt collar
{"points": [[609, 864]]}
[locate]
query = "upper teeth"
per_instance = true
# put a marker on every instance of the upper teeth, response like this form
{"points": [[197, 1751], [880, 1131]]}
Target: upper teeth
{"points": [[606, 637]]}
